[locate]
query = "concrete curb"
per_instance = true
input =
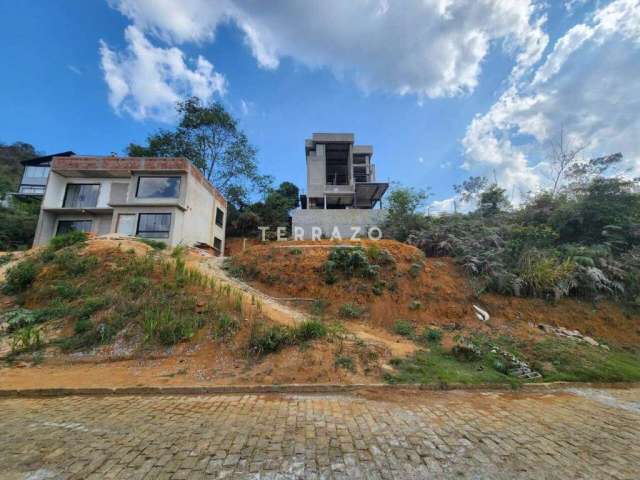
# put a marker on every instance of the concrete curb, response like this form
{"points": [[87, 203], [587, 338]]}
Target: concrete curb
{"points": [[298, 389]]}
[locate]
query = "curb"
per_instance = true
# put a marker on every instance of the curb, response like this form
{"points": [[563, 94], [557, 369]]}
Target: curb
{"points": [[300, 389]]}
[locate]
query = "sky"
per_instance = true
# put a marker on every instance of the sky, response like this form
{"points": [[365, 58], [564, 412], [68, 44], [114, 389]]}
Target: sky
{"points": [[442, 89]]}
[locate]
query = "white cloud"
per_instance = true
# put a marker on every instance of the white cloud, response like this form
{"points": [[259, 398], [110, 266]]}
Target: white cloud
{"points": [[588, 84], [74, 69], [429, 48], [146, 81]]}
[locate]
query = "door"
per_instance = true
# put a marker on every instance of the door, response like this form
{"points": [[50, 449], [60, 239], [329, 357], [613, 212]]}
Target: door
{"points": [[126, 224]]}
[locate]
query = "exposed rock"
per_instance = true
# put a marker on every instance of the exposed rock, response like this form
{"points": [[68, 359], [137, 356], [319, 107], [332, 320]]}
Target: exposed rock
{"points": [[573, 334]]}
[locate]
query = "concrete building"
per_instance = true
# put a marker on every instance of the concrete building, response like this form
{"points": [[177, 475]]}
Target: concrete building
{"points": [[35, 175], [165, 199], [342, 190]]}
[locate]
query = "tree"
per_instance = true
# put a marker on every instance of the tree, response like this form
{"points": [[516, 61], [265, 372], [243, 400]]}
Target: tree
{"points": [[493, 200], [471, 188], [210, 137], [10, 167], [402, 217], [561, 156]]}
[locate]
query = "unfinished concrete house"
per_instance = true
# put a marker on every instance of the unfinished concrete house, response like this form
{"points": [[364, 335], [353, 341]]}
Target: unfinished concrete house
{"points": [[342, 191], [166, 199]]}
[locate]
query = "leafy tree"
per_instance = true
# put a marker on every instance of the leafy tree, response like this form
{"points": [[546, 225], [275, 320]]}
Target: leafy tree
{"points": [[209, 136], [402, 216], [493, 200], [470, 189], [10, 167]]}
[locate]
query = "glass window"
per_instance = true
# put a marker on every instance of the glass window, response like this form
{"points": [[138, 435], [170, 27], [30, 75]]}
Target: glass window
{"points": [[36, 172], [154, 225], [217, 243], [219, 217], [32, 189], [66, 226], [158, 187], [81, 195]]}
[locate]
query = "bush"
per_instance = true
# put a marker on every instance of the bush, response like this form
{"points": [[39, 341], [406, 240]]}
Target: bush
{"points": [[319, 306], [466, 352], [350, 310], [310, 330], [74, 237], [431, 335], [346, 362], [137, 285], [168, 327], [4, 259], [26, 339], [18, 318], [350, 262], [82, 325], [225, 326], [21, 276], [415, 269], [404, 328], [71, 262], [269, 338]]}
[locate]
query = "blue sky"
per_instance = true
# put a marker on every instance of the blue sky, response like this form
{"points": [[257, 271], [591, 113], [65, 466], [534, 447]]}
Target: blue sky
{"points": [[441, 91]]}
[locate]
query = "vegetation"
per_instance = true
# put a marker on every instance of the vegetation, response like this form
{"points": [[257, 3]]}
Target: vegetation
{"points": [[155, 244], [266, 339], [351, 310], [581, 239], [404, 328], [348, 262]]}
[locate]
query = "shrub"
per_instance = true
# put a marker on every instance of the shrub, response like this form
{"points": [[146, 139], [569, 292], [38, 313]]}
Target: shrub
{"points": [[26, 339], [466, 351], [168, 327], [542, 274], [415, 305], [404, 328], [4, 259], [350, 262], [415, 269], [351, 310], [310, 330], [268, 338], [378, 288], [346, 362], [225, 326], [74, 237], [155, 244], [18, 318], [178, 251], [295, 251], [20, 277], [65, 290], [431, 335], [91, 305], [82, 325]]}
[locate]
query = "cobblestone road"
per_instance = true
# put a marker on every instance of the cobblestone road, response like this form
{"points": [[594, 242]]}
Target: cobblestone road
{"points": [[566, 434]]}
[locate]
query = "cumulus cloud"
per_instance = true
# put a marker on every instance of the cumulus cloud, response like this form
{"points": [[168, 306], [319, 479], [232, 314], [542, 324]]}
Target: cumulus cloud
{"points": [[146, 81], [587, 85], [428, 48]]}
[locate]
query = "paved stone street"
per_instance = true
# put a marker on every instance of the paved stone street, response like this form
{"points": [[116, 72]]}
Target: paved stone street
{"points": [[564, 434]]}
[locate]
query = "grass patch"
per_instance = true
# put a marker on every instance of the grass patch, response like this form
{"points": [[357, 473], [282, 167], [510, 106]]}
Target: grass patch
{"points": [[431, 336], [4, 259], [345, 362], [310, 330], [74, 237], [155, 244], [225, 326], [350, 310], [567, 360], [20, 277], [266, 339], [167, 327], [438, 367]]}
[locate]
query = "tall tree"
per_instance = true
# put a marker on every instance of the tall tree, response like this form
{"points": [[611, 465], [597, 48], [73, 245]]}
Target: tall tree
{"points": [[209, 136]]}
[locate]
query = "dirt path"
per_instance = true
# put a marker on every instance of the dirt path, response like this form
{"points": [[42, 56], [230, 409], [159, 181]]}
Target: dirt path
{"points": [[278, 312]]}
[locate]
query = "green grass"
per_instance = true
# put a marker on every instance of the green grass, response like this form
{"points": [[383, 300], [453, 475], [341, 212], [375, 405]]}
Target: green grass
{"points": [[155, 244], [404, 328], [438, 367], [350, 310], [568, 360]]}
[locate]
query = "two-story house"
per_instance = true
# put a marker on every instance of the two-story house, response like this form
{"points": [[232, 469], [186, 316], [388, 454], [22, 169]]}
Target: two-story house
{"points": [[166, 199], [342, 190]]}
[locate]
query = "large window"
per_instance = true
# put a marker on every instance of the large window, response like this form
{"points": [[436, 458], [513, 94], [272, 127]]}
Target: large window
{"points": [[66, 226], [219, 217], [154, 225], [36, 172], [217, 244], [158, 187], [81, 195]]}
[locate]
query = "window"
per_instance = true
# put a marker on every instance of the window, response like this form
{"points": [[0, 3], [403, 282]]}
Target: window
{"points": [[219, 217], [154, 225], [32, 189], [158, 187], [66, 226], [126, 224], [36, 172], [81, 195], [217, 244]]}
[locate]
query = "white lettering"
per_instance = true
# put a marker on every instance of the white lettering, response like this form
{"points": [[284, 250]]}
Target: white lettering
{"points": [[298, 233], [356, 232], [316, 234], [280, 234], [378, 236], [335, 234], [264, 233]]}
